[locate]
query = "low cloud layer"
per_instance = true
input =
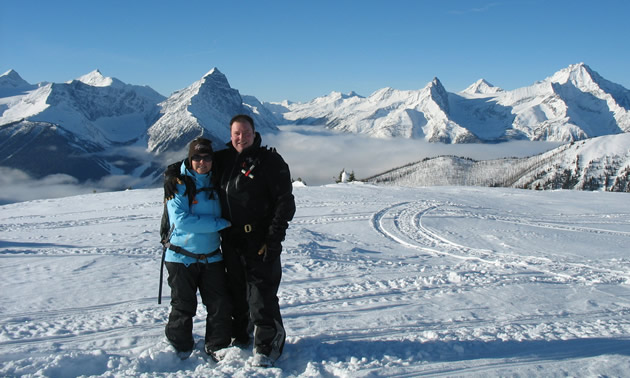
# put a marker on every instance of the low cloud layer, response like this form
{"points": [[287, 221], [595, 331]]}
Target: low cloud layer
{"points": [[314, 154], [317, 155], [17, 186]]}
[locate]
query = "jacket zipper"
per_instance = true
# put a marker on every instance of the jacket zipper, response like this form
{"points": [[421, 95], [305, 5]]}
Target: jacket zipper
{"points": [[227, 187]]}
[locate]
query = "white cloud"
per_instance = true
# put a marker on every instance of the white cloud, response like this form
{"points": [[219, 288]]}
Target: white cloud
{"points": [[18, 186], [314, 154], [317, 155]]}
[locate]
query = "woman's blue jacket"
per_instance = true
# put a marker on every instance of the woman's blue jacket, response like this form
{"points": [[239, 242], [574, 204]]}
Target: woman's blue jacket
{"points": [[196, 226]]}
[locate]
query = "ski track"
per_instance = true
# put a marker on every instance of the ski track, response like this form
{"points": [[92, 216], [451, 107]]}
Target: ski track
{"points": [[402, 223]]}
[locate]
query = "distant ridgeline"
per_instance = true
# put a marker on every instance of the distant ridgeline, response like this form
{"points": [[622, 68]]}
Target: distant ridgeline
{"points": [[601, 163]]}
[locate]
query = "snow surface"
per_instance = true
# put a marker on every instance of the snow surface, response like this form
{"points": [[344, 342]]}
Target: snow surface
{"points": [[378, 281]]}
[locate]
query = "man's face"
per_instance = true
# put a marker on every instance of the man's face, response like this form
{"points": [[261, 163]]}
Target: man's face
{"points": [[242, 135]]}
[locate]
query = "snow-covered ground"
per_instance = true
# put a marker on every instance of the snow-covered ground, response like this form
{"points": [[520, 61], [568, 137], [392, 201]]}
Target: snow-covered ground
{"points": [[378, 281]]}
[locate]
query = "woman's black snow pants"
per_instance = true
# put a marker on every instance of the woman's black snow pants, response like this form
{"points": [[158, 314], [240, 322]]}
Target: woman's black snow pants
{"points": [[211, 281]]}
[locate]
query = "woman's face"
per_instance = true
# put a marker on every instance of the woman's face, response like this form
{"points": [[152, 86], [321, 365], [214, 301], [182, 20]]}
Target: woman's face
{"points": [[201, 163]]}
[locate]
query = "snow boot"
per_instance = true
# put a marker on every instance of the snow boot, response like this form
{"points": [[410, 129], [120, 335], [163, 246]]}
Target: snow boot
{"points": [[262, 360]]}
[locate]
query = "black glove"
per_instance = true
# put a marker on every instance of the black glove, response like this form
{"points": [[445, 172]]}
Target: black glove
{"points": [[170, 186], [171, 179], [270, 251]]}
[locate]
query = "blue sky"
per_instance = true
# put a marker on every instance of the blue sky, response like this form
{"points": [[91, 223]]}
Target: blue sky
{"points": [[299, 50]]}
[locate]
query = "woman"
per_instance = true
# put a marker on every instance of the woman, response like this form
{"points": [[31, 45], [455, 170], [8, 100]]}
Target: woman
{"points": [[193, 257]]}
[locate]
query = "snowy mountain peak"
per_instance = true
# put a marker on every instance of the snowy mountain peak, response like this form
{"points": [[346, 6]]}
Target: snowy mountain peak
{"points": [[437, 84], [203, 108], [353, 94], [481, 86], [334, 95], [439, 94], [96, 79], [214, 79], [215, 75], [213, 71], [382, 94], [579, 74], [589, 81], [12, 79]]}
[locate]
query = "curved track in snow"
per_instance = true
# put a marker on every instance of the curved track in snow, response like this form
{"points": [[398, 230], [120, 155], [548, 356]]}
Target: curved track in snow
{"points": [[404, 223]]}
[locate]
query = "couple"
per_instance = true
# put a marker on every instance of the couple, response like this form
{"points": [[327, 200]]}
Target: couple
{"points": [[245, 193]]}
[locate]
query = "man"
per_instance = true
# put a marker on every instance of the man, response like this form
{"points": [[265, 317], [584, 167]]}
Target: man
{"points": [[255, 190]]}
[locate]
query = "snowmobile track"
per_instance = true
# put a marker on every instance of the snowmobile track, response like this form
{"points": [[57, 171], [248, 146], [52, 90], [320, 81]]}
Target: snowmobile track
{"points": [[403, 223]]}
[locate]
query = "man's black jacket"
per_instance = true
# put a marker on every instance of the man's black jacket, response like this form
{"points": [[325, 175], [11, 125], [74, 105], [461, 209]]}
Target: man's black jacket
{"points": [[255, 189]]}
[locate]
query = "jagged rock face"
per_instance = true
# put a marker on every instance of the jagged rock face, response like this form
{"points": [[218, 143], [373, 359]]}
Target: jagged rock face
{"points": [[575, 103]]}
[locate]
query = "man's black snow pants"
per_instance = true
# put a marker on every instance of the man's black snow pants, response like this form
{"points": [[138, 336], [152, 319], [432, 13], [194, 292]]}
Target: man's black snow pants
{"points": [[184, 281], [253, 285]]}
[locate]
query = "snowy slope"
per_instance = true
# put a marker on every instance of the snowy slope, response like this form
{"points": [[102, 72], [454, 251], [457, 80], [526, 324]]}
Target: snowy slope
{"points": [[377, 281], [573, 104], [481, 87], [601, 163]]}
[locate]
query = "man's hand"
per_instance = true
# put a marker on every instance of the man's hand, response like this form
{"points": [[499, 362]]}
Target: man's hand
{"points": [[270, 251], [171, 179], [170, 186]]}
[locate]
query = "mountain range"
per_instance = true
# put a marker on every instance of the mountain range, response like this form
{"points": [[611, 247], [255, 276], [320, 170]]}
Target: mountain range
{"points": [[573, 104], [95, 126]]}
